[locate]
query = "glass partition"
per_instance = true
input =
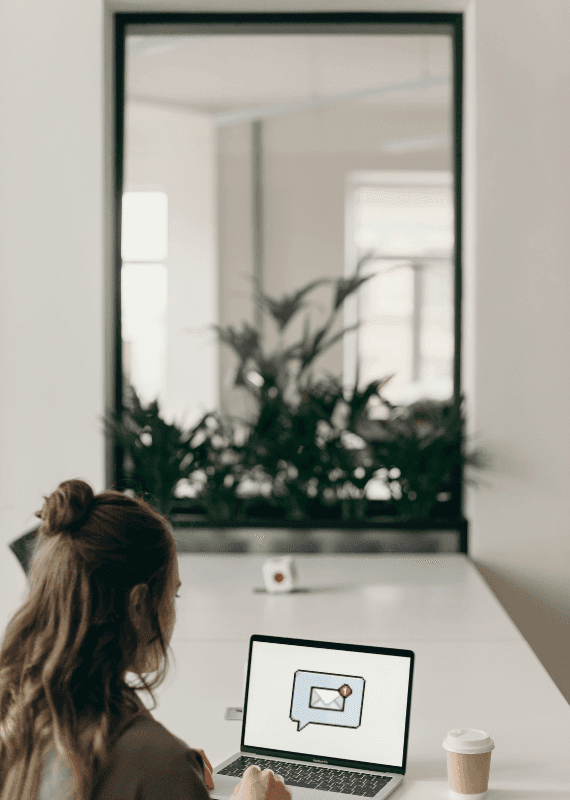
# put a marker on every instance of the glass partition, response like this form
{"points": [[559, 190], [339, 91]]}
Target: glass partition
{"points": [[292, 186]]}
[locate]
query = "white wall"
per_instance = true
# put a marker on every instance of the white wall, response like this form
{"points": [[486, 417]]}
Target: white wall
{"points": [[51, 211], [51, 261], [521, 526]]}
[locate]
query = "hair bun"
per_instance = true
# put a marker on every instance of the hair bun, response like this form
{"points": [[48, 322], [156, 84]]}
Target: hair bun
{"points": [[68, 507]]}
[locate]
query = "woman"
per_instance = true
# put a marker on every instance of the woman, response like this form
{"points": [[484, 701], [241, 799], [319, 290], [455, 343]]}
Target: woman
{"points": [[102, 585]]}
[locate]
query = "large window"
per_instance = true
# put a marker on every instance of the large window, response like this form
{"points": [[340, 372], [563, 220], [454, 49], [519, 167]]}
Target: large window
{"points": [[144, 291], [258, 154], [400, 227]]}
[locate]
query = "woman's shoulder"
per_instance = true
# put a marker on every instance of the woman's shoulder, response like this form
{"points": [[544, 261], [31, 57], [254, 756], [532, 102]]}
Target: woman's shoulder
{"points": [[145, 736], [148, 756], [146, 761]]}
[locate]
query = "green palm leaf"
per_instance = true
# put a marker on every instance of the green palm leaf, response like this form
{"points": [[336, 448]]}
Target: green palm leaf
{"points": [[245, 342], [285, 308], [314, 346], [346, 287]]}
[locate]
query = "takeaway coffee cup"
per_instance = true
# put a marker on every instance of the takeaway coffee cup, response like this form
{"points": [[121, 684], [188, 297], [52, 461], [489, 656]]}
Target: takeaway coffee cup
{"points": [[468, 762]]}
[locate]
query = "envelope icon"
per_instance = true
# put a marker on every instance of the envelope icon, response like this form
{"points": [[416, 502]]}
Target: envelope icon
{"points": [[329, 699]]}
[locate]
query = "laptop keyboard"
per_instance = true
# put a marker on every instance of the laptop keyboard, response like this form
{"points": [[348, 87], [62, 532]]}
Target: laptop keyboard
{"points": [[310, 777]]}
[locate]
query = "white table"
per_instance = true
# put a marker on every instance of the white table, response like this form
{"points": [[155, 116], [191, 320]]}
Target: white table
{"points": [[472, 665]]}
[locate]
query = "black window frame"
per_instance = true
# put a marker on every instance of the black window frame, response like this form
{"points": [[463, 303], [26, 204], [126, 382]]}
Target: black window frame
{"points": [[297, 22]]}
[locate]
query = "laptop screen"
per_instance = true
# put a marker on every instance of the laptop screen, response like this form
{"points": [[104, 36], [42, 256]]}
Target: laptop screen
{"points": [[338, 704]]}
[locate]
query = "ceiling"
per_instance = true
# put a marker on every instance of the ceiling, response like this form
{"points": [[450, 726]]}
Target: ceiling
{"points": [[225, 73]]}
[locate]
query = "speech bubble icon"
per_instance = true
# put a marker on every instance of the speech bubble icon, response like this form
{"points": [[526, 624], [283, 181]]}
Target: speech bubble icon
{"points": [[325, 698]]}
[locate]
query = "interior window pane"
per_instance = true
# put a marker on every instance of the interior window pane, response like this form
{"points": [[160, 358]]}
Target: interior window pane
{"points": [[144, 234], [405, 221], [389, 293], [406, 310], [143, 320]]}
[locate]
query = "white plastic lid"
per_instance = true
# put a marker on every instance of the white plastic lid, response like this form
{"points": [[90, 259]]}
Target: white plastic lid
{"points": [[468, 740]]}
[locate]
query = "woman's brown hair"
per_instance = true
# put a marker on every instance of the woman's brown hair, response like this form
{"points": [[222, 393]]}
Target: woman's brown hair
{"points": [[66, 651]]}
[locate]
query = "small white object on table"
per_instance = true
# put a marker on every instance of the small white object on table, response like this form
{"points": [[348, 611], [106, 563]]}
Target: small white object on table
{"points": [[279, 574]]}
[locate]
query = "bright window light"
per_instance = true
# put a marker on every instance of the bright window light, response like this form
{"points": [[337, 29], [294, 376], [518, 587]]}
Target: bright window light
{"points": [[405, 221], [144, 290], [144, 235], [406, 311]]}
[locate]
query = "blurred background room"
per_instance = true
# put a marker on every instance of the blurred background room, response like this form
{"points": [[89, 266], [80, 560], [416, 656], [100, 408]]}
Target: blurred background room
{"points": [[306, 289]]}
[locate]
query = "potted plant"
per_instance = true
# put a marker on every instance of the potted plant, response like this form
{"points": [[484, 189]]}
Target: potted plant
{"points": [[311, 450]]}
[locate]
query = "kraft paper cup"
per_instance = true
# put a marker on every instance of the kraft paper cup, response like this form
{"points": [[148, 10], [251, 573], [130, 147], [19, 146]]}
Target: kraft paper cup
{"points": [[468, 763]]}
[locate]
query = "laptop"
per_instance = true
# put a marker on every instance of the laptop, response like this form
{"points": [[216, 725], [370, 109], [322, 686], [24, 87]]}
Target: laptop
{"points": [[332, 719]]}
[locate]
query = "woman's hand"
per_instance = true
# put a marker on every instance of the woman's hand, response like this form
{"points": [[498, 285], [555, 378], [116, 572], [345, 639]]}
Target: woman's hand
{"points": [[258, 785], [208, 769]]}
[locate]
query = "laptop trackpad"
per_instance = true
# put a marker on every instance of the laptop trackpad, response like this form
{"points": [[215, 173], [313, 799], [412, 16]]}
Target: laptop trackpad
{"points": [[224, 786]]}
